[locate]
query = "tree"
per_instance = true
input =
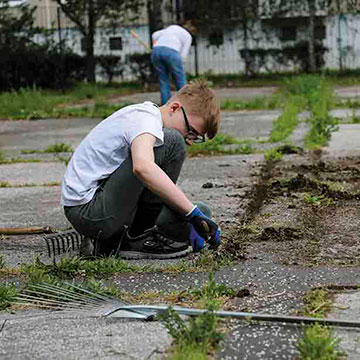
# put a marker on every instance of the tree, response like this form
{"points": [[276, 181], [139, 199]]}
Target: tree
{"points": [[87, 14]]}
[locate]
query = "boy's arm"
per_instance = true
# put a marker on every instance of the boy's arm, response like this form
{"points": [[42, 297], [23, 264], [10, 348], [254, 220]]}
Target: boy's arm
{"points": [[145, 168]]}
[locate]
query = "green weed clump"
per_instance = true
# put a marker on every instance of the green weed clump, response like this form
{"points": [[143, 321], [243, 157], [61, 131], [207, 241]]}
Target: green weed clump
{"points": [[8, 292], [272, 155], [321, 123], [284, 125], [199, 335], [56, 148], [257, 103], [67, 268], [220, 146], [319, 343]]}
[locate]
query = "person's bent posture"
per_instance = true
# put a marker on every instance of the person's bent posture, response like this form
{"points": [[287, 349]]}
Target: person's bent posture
{"points": [[119, 187]]}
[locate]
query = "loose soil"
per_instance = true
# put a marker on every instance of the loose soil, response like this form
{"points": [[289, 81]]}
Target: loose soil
{"points": [[310, 212]]}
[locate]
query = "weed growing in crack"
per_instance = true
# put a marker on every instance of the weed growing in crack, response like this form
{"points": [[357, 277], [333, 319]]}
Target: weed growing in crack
{"points": [[318, 200], [318, 341], [51, 149], [272, 155], [8, 292], [321, 123], [284, 125], [198, 336]]}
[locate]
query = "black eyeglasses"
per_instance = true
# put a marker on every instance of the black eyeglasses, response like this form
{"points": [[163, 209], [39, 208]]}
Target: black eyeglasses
{"points": [[192, 134]]}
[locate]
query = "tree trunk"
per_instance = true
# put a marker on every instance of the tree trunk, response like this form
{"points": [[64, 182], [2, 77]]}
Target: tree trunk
{"points": [[90, 59], [312, 60]]}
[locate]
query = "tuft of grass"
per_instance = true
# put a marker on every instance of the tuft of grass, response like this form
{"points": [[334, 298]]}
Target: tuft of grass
{"points": [[318, 200], [71, 267], [319, 343], [4, 184], [221, 145], [284, 125], [199, 335], [257, 103], [2, 261], [272, 155], [56, 148], [8, 292], [321, 123]]}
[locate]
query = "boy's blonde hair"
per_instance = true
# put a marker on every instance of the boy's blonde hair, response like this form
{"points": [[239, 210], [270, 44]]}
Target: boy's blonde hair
{"points": [[200, 100]]}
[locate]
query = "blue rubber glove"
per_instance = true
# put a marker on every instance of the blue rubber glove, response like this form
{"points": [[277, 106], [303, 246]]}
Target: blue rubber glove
{"points": [[205, 227], [196, 241]]}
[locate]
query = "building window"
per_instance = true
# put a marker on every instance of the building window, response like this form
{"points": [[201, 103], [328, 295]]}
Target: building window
{"points": [[115, 43], [288, 33], [320, 32]]}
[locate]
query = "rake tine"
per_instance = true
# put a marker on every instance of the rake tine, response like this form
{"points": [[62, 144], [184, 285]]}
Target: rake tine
{"points": [[47, 246], [101, 297], [69, 294], [55, 297], [62, 238], [53, 303]]}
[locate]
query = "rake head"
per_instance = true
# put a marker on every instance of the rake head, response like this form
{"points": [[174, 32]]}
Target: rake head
{"points": [[73, 298], [63, 242]]}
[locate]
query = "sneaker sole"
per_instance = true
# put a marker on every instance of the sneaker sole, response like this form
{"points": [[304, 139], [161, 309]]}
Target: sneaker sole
{"points": [[142, 255]]}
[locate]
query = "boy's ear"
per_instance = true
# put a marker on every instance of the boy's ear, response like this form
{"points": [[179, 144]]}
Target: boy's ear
{"points": [[175, 106]]}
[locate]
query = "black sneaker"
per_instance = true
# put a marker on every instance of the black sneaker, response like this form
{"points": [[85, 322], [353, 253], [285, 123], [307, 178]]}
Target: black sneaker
{"points": [[152, 244]]}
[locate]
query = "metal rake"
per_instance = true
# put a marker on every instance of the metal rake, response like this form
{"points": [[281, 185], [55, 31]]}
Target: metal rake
{"points": [[72, 298], [63, 242]]}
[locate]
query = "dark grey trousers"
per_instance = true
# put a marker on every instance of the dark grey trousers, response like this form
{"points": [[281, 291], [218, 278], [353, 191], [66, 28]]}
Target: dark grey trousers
{"points": [[122, 199]]}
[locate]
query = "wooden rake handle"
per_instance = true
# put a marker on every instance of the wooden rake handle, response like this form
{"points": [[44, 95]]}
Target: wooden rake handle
{"points": [[27, 230]]}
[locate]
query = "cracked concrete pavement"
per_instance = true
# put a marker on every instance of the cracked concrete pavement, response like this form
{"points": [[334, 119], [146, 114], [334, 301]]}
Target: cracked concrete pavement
{"points": [[275, 288]]}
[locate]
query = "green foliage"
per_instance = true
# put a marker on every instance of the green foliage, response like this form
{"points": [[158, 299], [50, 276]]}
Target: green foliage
{"points": [[321, 123], [8, 292], [284, 125], [272, 155], [58, 148], [220, 145], [70, 267], [257, 103], [199, 334], [317, 303], [4, 184], [318, 343], [318, 200]]}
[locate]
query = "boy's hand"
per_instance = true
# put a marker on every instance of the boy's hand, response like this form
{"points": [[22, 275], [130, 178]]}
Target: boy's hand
{"points": [[205, 227]]}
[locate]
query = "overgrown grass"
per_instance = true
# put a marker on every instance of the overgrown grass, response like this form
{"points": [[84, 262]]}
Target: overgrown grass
{"points": [[8, 292], [272, 155], [56, 148], [33, 104], [321, 123], [198, 336], [258, 103], [284, 125], [73, 267], [318, 341], [220, 145], [6, 184]]}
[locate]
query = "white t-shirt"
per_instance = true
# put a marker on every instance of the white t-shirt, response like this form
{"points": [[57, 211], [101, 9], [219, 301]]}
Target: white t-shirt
{"points": [[174, 37], [105, 148]]}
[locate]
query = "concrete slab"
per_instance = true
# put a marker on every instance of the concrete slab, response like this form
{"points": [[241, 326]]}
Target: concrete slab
{"points": [[347, 307], [44, 335], [32, 173], [347, 138]]}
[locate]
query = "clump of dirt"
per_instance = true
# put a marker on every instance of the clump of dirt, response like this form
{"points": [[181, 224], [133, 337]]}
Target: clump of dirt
{"points": [[309, 212]]}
